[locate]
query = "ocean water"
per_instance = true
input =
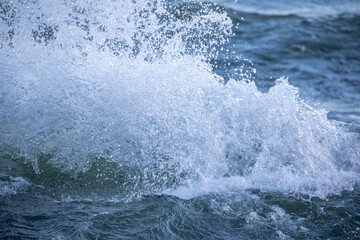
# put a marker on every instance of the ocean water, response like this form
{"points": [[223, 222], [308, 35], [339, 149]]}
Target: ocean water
{"points": [[154, 119]]}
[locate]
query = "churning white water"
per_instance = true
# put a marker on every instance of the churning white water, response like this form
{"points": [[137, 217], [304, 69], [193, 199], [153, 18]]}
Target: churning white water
{"points": [[130, 83]]}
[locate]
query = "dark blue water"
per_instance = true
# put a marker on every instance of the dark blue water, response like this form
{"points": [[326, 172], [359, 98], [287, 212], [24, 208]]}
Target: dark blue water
{"points": [[179, 119], [313, 43]]}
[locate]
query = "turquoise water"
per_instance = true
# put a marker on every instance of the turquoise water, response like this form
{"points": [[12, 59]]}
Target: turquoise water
{"points": [[179, 120]]}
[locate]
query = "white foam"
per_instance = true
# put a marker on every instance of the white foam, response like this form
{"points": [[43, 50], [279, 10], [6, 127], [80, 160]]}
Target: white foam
{"points": [[158, 108], [12, 185]]}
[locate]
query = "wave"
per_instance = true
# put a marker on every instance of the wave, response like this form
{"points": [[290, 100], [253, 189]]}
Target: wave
{"points": [[121, 95], [306, 9]]}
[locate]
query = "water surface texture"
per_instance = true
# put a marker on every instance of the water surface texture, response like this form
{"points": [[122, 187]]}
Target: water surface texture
{"points": [[178, 119]]}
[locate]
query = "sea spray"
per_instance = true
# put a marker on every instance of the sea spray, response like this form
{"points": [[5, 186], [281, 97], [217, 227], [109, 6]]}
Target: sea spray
{"points": [[130, 83]]}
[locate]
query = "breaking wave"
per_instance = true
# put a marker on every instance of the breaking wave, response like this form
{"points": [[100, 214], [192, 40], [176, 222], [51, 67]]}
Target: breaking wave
{"points": [[122, 94]]}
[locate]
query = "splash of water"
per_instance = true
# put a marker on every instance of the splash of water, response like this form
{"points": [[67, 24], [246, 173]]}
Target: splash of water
{"points": [[129, 82]]}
